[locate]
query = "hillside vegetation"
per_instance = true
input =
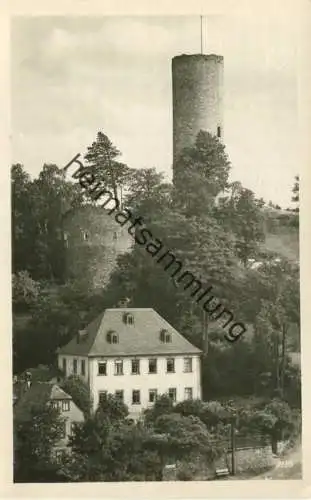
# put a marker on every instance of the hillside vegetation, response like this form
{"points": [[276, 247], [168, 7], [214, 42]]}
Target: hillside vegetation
{"points": [[282, 233]]}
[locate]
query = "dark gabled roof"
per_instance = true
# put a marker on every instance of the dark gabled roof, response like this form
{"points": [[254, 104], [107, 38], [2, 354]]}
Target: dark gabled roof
{"points": [[141, 338], [37, 396]]}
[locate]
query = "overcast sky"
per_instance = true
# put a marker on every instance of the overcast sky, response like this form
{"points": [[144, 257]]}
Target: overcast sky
{"points": [[72, 77]]}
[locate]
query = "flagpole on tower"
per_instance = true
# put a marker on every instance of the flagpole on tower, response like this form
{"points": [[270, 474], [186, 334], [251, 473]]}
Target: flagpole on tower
{"points": [[201, 31]]}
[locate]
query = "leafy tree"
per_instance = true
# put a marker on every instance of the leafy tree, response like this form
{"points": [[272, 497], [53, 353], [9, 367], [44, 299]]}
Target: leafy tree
{"points": [[292, 385], [25, 290], [110, 452], [274, 418], [281, 309], [235, 363], [162, 406], [241, 212], [107, 447], [80, 393], [23, 227], [34, 440], [37, 210], [200, 174], [148, 194], [54, 196], [176, 437], [56, 316], [102, 162], [130, 460], [112, 408], [295, 190], [211, 413]]}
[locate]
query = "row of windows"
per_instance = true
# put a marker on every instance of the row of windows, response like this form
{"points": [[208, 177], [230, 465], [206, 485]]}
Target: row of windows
{"points": [[152, 366], [60, 405], [153, 394], [75, 366], [113, 338], [135, 366]]}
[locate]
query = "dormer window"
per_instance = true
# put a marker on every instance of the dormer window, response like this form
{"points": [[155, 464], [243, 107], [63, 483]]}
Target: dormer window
{"points": [[165, 336], [128, 318], [112, 338]]}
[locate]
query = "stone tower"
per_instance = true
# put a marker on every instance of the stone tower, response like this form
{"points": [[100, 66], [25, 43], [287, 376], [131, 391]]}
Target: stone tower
{"points": [[197, 98], [93, 240]]}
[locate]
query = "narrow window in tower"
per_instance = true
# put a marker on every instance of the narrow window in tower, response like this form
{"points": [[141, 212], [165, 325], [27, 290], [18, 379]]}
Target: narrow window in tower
{"points": [[218, 131], [66, 240]]}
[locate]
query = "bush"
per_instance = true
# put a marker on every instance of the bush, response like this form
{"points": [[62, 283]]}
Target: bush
{"points": [[80, 393]]}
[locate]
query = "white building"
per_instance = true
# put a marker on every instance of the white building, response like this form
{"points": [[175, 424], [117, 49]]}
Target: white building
{"points": [[136, 355]]}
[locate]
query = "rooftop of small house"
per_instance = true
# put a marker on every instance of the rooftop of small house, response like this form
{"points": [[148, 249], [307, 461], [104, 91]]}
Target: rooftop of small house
{"points": [[128, 331], [37, 395]]}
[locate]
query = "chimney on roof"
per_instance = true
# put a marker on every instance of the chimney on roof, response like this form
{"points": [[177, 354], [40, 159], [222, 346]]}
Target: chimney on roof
{"points": [[81, 336]]}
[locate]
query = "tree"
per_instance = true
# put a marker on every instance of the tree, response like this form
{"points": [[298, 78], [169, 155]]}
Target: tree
{"points": [[176, 437], [34, 440], [148, 194], [102, 162], [56, 316], [25, 290], [54, 196], [162, 406], [281, 308], [108, 447], [241, 212], [112, 453], [295, 190], [80, 393], [211, 413], [37, 210], [228, 369], [22, 219], [200, 174], [113, 409], [275, 419]]}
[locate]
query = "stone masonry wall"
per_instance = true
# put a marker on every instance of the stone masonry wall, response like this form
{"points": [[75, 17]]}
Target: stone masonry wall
{"points": [[197, 97], [252, 459], [93, 240]]}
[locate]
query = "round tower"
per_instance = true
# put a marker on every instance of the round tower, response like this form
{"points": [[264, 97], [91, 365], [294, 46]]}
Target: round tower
{"points": [[93, 241], [197, 98]]}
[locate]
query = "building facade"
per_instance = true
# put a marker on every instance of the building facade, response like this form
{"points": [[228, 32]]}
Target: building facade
{"points": [[135, 355]]}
